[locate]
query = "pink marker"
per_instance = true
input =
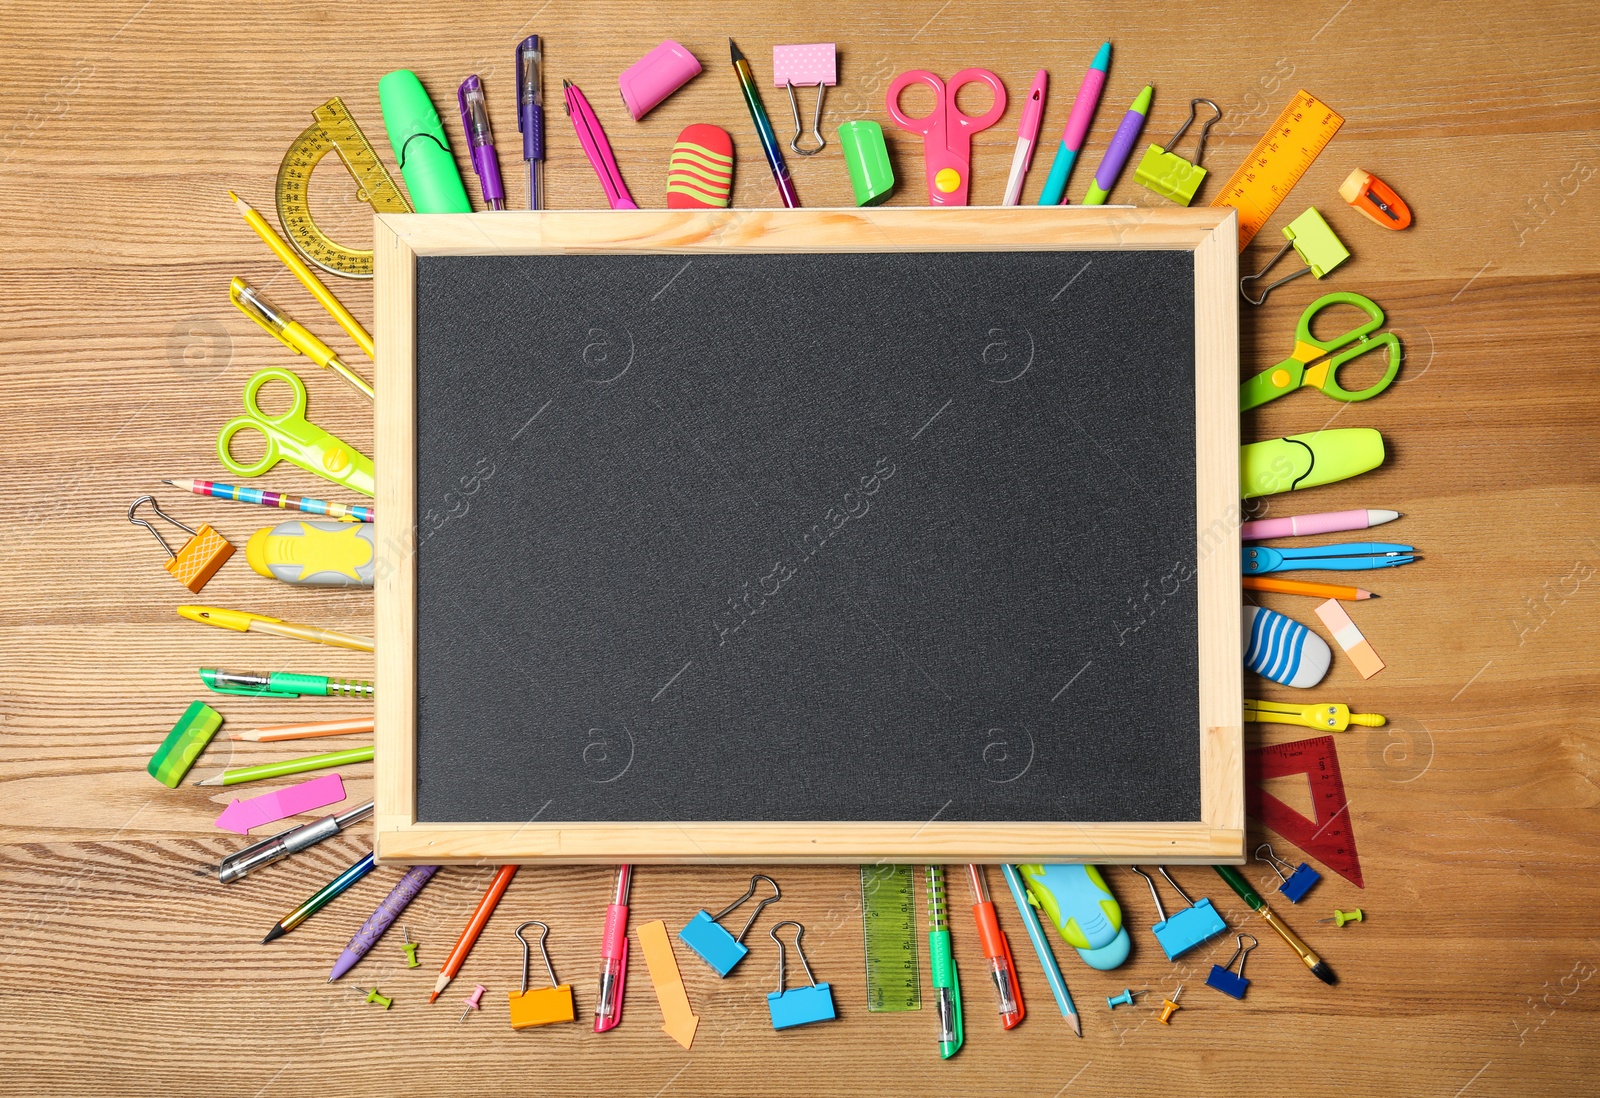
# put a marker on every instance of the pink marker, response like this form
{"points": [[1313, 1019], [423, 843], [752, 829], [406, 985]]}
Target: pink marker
{"points": [[1328, 522], [1094, 82], [614, 956], [1027, 137]]}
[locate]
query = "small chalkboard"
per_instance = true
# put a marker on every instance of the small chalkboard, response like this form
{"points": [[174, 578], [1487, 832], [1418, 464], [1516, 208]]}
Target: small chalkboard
{"points": [[814, 535]]}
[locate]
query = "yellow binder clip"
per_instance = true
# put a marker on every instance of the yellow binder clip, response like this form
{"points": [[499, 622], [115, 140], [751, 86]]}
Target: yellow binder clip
{"points": [[546, 1005], [1170, 175]]}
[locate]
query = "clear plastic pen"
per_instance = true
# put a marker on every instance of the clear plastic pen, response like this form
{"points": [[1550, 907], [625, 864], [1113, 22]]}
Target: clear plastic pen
{"points": [[530, 111], [996, 950], [480, 141], [614, 955]]}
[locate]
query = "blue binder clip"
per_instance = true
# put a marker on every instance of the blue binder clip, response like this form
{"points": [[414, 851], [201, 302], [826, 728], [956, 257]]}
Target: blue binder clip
{"points": [[803, 1005], [1197, 923], [716, 946], [1297, 883], [1224, 979]]}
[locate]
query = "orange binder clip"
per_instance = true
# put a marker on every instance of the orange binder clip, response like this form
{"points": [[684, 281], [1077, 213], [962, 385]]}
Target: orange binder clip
{"points": [[201, 556], [546, 1005]]}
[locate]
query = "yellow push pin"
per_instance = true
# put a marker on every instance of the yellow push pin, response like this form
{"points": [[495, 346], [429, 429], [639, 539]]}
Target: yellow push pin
{"points": [[1169, 1007], [410, 947], [382, 1000], [545, 1005], [1342, 917]]}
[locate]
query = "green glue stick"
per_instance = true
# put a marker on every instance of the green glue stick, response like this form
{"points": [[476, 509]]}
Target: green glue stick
{"points": [[420, 146]]}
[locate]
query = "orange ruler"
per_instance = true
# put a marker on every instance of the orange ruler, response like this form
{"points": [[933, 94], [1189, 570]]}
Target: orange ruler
{"points": [[1277, 162]]}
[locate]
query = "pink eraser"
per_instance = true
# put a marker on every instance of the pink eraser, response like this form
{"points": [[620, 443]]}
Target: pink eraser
{"points": [[805, 66], [655, 76]]}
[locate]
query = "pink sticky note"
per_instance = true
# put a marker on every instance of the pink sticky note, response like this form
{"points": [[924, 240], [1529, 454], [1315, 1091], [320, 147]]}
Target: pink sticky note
{"points": [[241, 816], [805, 66]]}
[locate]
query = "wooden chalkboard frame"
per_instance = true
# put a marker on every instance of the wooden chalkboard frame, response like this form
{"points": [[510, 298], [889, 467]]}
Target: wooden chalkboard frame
{"points": [[1209, 234]]}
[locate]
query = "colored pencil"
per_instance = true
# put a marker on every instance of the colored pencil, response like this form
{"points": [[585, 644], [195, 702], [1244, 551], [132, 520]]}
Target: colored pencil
{"points": [[262, 496], [319, 899], [289, 766], [475, 925], [1301, 587], [309, 731]]}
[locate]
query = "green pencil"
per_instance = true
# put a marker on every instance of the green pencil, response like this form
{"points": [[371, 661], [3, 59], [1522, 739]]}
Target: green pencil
{"points": [[289, 766]]}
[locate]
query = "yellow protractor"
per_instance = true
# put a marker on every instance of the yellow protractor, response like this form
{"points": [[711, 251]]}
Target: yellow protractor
{"points": [[333, 131]]}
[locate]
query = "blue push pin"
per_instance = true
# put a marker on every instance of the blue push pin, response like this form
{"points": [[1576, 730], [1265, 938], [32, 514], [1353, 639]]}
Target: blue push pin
{"points": [[716, 946], [1297, 883], [1197, 923], [803, 1005], [1224, 979], [1125, 999]]}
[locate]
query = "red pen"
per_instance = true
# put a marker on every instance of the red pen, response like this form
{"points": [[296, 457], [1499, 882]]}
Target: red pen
{"points": [[1027, 138], [614, 956], [996, 949]]}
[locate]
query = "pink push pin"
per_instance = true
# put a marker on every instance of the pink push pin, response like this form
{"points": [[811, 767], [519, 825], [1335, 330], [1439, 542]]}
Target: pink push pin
{"points": [[472, 1002]]}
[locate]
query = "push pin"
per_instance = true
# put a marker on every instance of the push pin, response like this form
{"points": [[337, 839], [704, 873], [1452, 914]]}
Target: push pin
{"points": [[1297, 883], [1197, 923], [542, 1006], [803, 1005], [410, 947], [1125, 999], [1342, 917], [1224, 979], [714, 945], [472, 1002], [1169, 1007], [382, 1000]]}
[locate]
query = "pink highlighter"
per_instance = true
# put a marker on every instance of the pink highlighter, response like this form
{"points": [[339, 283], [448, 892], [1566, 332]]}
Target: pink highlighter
{"points": [[655, 76], [614, 956]]}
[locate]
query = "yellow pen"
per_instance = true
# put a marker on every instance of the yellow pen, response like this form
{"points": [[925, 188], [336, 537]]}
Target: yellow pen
{"points": [[287, 331], [243, 621], [280, 248]]}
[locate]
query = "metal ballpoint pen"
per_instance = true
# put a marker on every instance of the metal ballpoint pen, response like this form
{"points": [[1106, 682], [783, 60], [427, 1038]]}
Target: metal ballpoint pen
{"points": [[529, 65], [480, 140], [614, 955], [285, 843]]}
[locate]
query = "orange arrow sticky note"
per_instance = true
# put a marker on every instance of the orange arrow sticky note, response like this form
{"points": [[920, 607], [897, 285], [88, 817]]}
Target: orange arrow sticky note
{"points": [[680, 1021]]}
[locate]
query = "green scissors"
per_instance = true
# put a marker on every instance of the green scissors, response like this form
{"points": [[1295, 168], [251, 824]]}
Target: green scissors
{"points": [[292, 437], [1295, 371]]}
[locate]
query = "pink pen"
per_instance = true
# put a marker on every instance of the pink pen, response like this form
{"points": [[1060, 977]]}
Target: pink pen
{"points": [[614, 956], [1328, 522], [597, 148], [1094, 81], [1027, 137]]}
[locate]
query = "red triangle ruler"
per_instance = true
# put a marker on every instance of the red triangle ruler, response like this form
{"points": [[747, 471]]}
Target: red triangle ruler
{"points": [[1329, 837]]}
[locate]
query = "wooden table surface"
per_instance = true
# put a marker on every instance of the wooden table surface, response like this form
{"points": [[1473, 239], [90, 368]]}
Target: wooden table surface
{"points": [[126, 968]]}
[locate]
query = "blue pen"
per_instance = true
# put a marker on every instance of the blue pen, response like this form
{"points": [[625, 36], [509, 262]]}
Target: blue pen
{"points": [[1041, 946], [530, 111], [1094, 81]]}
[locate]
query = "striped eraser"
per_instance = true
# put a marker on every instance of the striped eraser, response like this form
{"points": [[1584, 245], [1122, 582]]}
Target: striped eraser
{"points": [[700, 175], [1283, 650], [1344, 631]]}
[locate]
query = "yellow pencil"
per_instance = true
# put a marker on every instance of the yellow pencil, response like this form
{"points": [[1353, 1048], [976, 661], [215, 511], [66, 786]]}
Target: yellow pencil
{"points": [[313, 730], [291, 259]]}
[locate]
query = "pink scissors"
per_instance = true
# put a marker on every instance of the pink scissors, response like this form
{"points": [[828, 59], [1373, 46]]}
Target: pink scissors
{"points": [[947, 133]]}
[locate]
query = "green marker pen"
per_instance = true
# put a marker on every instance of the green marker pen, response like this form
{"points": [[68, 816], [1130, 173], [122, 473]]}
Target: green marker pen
{"points": [[420, 146], [946, 981], [283, 684]]}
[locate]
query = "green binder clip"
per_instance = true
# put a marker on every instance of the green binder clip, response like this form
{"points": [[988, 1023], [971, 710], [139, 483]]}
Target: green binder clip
{"points": [[1170, 175], [1313, 241]]}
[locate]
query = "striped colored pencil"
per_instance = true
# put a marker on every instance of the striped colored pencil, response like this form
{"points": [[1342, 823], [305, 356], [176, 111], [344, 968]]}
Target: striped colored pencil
{"points": [[310, 731], [1303, 587], [275, 499]]}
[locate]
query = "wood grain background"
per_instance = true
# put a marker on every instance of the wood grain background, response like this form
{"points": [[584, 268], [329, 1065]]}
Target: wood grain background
{"points": [[124, 966]]}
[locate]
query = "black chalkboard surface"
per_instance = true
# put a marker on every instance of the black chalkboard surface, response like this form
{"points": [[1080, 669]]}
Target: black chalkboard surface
{"points": [[806, 537]]}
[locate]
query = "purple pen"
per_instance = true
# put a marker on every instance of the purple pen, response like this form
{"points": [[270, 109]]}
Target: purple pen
{"points": [[1105, 176], [381, 919], [530, 111], [480, 139]]}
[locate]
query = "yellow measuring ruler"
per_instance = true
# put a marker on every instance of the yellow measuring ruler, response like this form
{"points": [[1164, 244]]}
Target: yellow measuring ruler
{"points": [[1277, 162], [333, 131]]}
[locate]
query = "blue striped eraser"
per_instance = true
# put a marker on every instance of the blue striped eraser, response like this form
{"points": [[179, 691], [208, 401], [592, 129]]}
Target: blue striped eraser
{"points": [[1283, 650]]}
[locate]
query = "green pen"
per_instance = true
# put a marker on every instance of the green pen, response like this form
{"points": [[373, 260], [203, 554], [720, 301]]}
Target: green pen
{"points": [[283, 684], [289, 766], [946, 981]]}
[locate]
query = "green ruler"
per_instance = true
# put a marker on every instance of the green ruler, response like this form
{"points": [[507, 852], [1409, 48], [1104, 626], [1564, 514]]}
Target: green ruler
{"points": [[889, 917]]}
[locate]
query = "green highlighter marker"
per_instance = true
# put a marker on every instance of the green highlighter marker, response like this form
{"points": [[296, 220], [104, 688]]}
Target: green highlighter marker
{"points": [[420, 146], [946, 981], [283, 684], [1305, 461]]}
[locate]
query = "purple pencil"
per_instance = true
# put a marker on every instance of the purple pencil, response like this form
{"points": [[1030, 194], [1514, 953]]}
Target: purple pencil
{"points": [[381, 919]]}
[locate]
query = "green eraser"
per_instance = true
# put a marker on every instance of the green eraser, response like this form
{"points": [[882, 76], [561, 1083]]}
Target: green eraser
{"points": [[184, 743], [1305, 461], [420, 146]]}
